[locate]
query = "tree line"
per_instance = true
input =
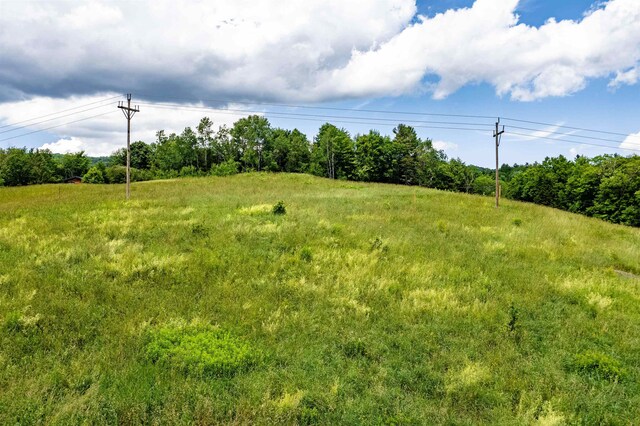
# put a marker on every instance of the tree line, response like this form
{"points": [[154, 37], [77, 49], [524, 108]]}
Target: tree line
{"points": [[606, 187]]}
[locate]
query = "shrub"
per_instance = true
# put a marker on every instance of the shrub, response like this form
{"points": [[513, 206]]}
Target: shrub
{"points": [[598, 365], [484, 185], [116, 174], [188, 171], [94, 175], [139, 175], [227, 168], [517, 222], [199, 349], [279, 208], [163, 174]]}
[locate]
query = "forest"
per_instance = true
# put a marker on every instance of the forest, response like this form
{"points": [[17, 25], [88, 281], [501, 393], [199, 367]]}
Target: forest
{"points": [[605, 187]]}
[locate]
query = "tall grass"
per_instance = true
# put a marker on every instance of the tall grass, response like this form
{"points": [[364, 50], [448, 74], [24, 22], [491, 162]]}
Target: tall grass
{"points": [[363, 304]]}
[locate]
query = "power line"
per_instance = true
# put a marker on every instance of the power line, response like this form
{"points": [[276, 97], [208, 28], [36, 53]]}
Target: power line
{"points": [[230, 101], [376, 121], [54, 113], [380, 121], [296, 115], [565, 134], [574, 142], [570, 128], [55, 118], [58, 125], [320, 118], [288, 114]]}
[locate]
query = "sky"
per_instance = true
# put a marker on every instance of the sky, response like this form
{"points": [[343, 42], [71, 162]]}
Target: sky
{"points": [[562, 76]]}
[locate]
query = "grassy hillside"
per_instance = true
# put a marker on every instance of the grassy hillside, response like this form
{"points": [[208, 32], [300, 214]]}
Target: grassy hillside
{"points": [[363, 304]]}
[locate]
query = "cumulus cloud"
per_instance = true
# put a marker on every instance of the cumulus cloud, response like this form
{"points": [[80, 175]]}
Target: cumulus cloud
{"points": [[311, 50], [445, 146], [629, 78], [65, 146], [485, 43], [241, 49]]}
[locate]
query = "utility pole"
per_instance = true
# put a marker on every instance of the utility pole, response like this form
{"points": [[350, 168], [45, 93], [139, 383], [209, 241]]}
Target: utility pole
{"points": [[497, 134], [128, 114]]}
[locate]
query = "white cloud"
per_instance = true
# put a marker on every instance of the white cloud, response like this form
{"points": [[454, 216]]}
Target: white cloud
{"points": [[632, 142], [629, 78], [485, 43], [271, 48], [65, 146], [106, 133], [445, 146], [308, 50]]}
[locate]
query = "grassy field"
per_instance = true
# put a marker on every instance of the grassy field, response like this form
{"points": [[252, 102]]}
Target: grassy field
{"points": [[363, 304]]}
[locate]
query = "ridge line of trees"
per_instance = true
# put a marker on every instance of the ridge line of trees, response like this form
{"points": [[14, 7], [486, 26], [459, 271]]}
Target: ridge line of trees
{"points": [[607, 186]]}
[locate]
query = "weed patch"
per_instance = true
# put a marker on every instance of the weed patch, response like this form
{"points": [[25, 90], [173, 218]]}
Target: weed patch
{"points": [[599, 366], [16, 322], [199, 349], [279, 208], [199, 230], [355, 349], [306, 254]]}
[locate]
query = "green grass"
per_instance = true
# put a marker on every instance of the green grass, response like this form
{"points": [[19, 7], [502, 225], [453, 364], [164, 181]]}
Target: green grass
{"points": [[363, 304]]}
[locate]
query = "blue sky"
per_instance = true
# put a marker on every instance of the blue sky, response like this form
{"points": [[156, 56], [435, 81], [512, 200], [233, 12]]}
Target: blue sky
{"points": [[496, 58], [532, 12]]}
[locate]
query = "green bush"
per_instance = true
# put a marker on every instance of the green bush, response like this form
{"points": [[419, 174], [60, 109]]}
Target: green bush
{"points": [[139, 175], [94, 175], [484, 185], [598, 365], [279, 208], [188, 171], [163, 174], [227, 168], [198, 349], [116, 174]]}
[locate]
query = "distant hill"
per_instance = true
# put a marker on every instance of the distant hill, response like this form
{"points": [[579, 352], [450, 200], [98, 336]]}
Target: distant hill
{"points": [[94, 160]]}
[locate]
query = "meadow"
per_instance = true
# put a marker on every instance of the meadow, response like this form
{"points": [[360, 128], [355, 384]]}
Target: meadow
{"points": [[350, 303]]}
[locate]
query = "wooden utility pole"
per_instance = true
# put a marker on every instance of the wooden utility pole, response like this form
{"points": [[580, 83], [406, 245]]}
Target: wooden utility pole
{"points": [[128, 113], [497, 134]]}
